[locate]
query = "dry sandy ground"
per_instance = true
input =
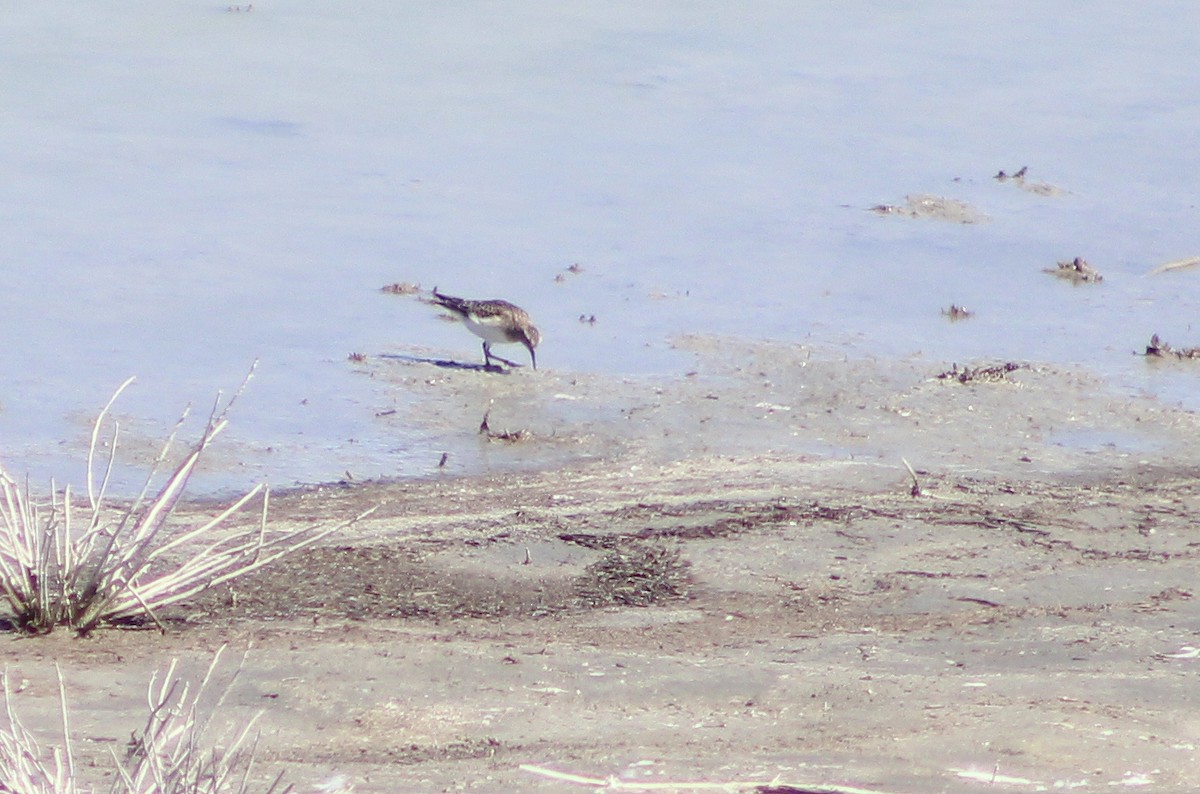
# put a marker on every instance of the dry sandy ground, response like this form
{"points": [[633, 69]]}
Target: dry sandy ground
{"points": [[726, 579]]}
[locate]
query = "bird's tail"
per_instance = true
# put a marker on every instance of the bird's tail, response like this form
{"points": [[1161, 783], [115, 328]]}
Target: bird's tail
{"points": [[450, 302]]}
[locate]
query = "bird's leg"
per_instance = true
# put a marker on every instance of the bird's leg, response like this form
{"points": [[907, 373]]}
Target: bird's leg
{"points": [[489, 357]]}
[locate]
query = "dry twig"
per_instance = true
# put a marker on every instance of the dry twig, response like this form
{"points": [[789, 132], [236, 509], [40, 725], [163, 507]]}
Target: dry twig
{"points": [[915, 491], [763, 787], [24, 767], [166, 757], [1178, 264]]}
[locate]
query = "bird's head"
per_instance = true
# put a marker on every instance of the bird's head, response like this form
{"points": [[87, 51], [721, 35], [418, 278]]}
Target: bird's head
{"points": [[530, 339]]}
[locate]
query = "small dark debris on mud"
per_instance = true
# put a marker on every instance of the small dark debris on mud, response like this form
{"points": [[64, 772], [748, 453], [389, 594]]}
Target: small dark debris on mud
{"points": [[997, 373], [773, 788], [1003, 177], [400, 753], [371, 583], [956, 313], [401, 288], [590, 540], [1077, 270], [379, 582], [1018, 179], [457, 750], [511, 436], [739, 519], [1158, 601], [1160, 349], [934, 208], [573, 269], [635, 575]]}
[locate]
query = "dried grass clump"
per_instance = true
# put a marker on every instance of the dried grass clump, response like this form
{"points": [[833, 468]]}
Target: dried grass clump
{"points": [[24, 767], [170, 755], [119, 562], [167, 756]]}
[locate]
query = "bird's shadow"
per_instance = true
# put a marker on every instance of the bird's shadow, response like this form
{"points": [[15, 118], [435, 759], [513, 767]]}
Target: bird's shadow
{"points": [[446, 363]]}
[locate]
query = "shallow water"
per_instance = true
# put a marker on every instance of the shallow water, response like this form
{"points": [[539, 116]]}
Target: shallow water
{"points": [[194, 188]]}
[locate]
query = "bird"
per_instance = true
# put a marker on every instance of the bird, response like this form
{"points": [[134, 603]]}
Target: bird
{"points": [[496, 322]]}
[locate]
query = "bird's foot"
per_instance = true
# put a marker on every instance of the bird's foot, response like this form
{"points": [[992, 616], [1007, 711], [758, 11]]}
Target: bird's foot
{"points": [[504, 361]]}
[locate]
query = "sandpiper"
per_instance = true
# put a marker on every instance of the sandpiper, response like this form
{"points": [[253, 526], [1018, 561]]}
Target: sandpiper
{"points": [[496, 322]]}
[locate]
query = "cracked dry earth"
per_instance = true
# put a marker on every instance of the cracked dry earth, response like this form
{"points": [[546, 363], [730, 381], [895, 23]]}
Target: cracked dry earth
{"points": [[778, 621]]}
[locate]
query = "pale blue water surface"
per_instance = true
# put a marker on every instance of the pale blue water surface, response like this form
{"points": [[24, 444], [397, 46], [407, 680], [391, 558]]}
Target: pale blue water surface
{"points": [[188, 188]]}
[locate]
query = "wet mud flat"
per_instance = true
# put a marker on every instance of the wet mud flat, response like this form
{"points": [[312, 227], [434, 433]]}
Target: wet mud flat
{"points": [[752, 589]]}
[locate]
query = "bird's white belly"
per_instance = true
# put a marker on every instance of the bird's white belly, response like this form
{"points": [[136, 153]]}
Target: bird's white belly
{"points": [[491, 331]]}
